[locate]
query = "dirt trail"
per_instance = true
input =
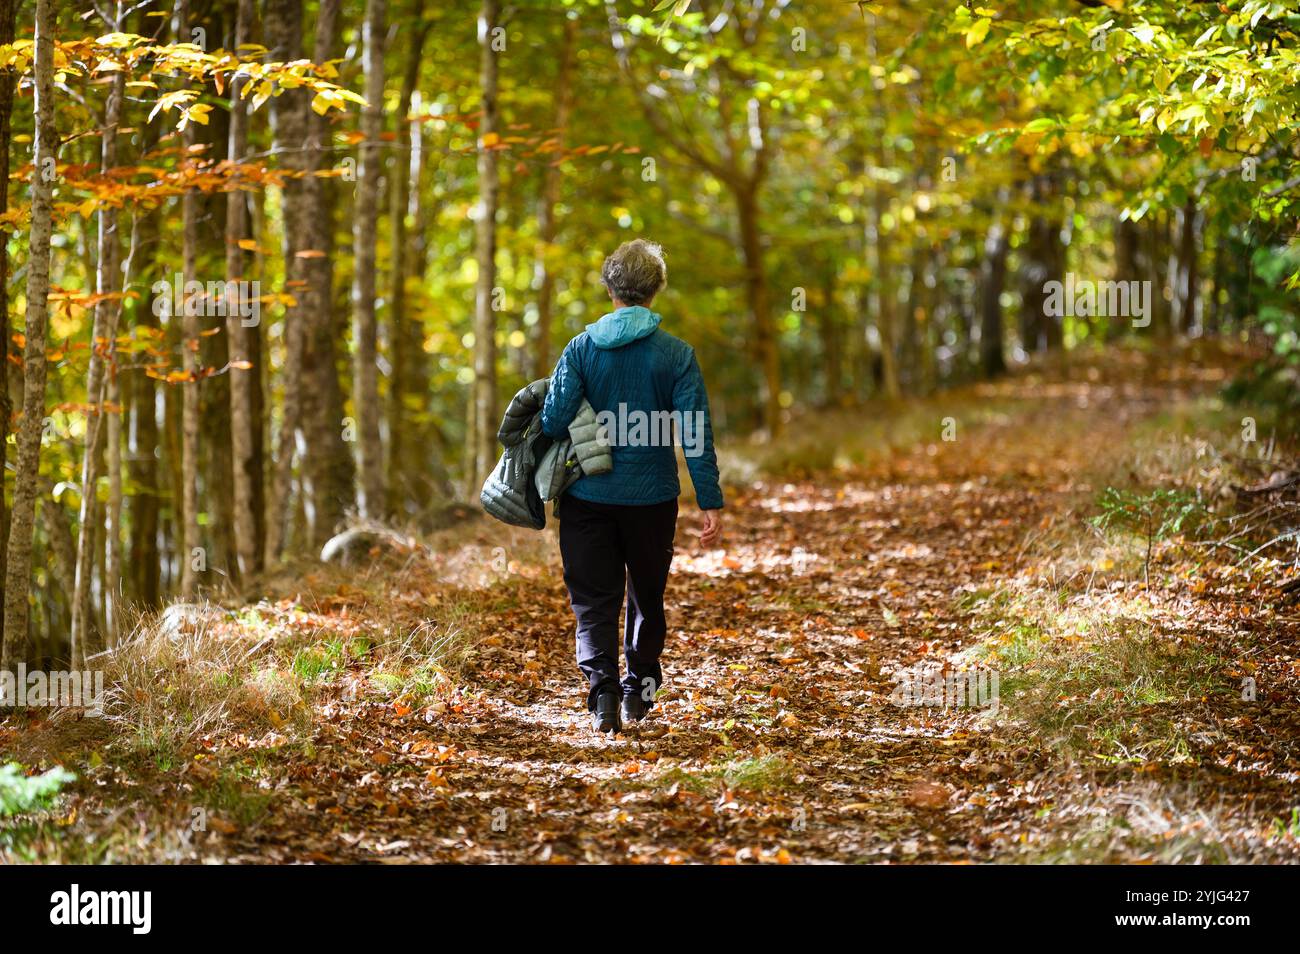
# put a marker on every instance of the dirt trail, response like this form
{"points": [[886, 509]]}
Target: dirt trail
{"points": [[775, 738]]}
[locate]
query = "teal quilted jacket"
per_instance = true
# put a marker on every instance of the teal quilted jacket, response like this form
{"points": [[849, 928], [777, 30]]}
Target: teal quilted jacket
{"points": [[647, 389]]}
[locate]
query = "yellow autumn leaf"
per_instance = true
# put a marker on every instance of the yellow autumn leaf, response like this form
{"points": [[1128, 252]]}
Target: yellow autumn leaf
{"points": [[977, 32]]}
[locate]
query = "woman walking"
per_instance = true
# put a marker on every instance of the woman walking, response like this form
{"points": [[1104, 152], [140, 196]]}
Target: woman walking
{"points": [[617, 528]]}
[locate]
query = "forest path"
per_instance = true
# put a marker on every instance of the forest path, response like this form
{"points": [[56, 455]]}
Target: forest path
{"points": [[775, 738]]}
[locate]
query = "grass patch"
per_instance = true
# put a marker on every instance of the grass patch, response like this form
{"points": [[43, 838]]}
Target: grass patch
{"points": [[1097, 679], [760, 774], [171, 685], [314, 663], [1150, 823], [232, 795]]}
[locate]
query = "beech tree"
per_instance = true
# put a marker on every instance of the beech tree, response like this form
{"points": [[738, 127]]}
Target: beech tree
{"points": [[18, 553], [484, 406], [370, 458]]}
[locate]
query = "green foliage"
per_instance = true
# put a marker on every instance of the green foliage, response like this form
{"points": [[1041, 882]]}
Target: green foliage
{"points": [[1289, 828], [1274, 384], [1277, 276], [762, 773], [20, 793], [1156, 514]]}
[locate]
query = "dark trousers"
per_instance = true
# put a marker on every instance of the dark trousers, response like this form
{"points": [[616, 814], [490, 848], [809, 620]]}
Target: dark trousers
{"points": [[598, 542]]}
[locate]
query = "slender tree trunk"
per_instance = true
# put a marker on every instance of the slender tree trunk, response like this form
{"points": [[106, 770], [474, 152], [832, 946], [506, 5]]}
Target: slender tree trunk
{"points": [[283, 27], [547, 227], [103, 333], [1034, 271], [61, 561], [7, 20], [328, 465], [113, 524], [1187, 277], [914, 326], [244, 377], [886, 295], [216, 458], [485, 244], [365, 384], [142, 439], [190, 395], [1041, 260], [1158, 264], [886, 318], [18, 562], [1128, 268], [993, 274], [1214, 312], [828, 328], [926, 316], [405, 453], [113, 582], [757, 294], [433, 478], [58, 541], [255, 341]]}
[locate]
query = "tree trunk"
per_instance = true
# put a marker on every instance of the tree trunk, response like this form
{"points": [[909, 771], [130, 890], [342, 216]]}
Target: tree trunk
{"points": [[1128, 268], [828, 330], [1039, 331], [485, 244], [1187, 276], [886, 296], [993, 274], [190, 341], [886, 321], [7, 79], [18, 560], [916, 342], [58, 541], [1042, 261], [328, 464], [1158, 265], [405, 340], [61, 562], [244, 376], [1214, 313], [283, 28], [365, 384], [142, 439], [766, 355], [547, 227], [113, 524], [216, 458], [103, 333], [113, 583], [930, 331]]}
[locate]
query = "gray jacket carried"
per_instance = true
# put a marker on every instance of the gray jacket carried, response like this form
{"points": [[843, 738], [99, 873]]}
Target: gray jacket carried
{"points": [[534, 468]]}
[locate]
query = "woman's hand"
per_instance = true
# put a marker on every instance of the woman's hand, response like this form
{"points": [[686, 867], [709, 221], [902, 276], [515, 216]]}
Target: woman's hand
{"points": [[712, 531]]}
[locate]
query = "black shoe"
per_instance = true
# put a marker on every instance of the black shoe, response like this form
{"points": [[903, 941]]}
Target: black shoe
{"points": [[605, 718], [634, 708]]}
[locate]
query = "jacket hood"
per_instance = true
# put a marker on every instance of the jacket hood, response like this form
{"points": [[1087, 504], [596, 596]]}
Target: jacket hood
{"points": [[623, 326]]}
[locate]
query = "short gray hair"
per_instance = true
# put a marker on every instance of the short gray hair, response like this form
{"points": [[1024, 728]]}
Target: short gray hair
{"points": [[636, 272]]}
